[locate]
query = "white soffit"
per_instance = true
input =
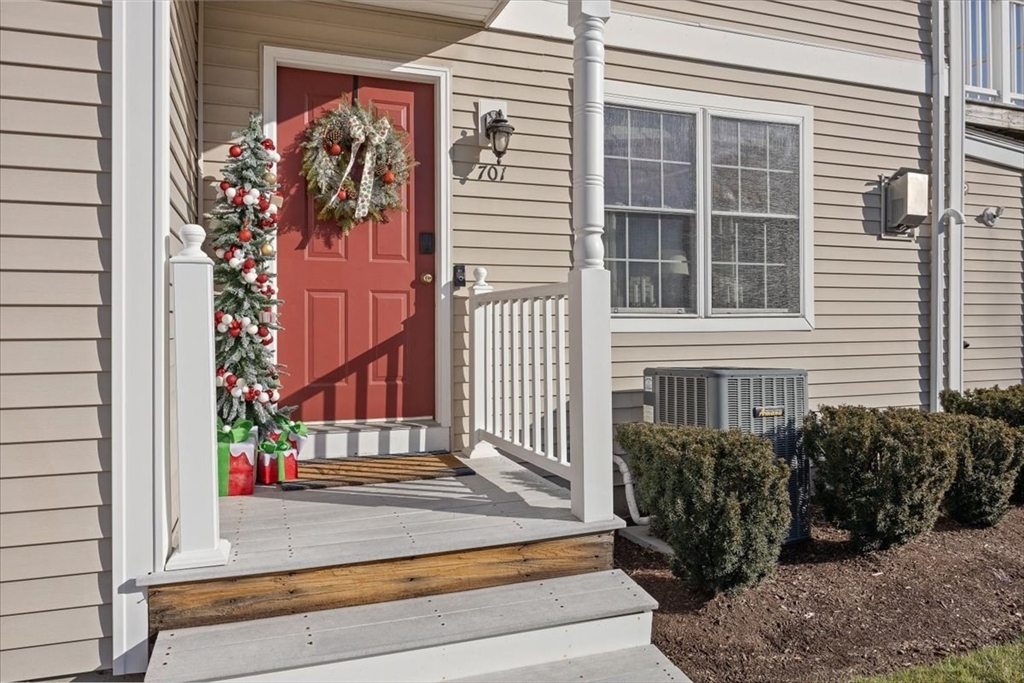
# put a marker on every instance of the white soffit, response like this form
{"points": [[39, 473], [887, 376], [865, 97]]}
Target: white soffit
{"points": [[668, 37], [472, 11], [993, 150]]}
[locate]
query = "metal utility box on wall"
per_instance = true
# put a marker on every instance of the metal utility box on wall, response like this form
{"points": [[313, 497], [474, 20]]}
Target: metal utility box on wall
{"points": [[905, 203], [767, 402]]}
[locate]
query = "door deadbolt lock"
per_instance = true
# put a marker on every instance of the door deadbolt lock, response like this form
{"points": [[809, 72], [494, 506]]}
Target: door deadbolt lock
{"points": [[426, 278]]}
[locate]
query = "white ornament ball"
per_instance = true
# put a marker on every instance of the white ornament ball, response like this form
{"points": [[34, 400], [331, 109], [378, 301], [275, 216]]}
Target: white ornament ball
{"points": [[222, 328], [257, 386], [255, 288], [252, 329], [250, 277], [220, 253], [230, 193], [243, 388], [264, 397], [249, 200], [254, 193], [234, 263], [227, 319], [220, 381], [225, 429], [246, 320], [236, 392], [274, 156], [275, 395], [272, 209]]}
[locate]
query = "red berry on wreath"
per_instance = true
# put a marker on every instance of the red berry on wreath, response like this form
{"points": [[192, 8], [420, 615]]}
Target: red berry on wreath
{"points": [[388, 177], [224, 185], [237, 200], [244, 235], [263, 332], [335, 149], [342, 195], [262, 278], [235, 151]]}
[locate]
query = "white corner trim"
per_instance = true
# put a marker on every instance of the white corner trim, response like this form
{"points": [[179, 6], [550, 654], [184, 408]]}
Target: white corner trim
{"points": [[672, 38], [441, 78], [634, 94], [996, 152], [137, 56]]}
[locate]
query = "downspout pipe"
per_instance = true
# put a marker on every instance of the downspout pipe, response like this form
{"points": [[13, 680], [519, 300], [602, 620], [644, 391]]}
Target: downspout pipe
{"points": [[938, 252], [627, 481], [956, 195]]}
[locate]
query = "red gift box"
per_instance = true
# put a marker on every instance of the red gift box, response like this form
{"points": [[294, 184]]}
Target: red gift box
{"points": [[267, 469], [241, 468]]}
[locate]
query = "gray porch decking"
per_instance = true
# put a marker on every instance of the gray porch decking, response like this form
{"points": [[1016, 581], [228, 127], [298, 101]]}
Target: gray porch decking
{"points": [[502, 504]]}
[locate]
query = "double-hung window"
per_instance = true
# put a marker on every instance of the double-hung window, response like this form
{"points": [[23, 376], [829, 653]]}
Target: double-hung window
{"points": [[707, 211]]}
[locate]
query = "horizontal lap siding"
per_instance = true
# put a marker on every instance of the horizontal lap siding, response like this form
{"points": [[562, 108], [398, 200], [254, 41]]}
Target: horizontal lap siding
{"points": [[993, 280], [55, 614], [871, 345], [896, 28]]}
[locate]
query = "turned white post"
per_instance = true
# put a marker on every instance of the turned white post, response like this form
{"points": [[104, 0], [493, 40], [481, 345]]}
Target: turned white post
{"points": [[199, 541], [590, 360], [477, 368]]}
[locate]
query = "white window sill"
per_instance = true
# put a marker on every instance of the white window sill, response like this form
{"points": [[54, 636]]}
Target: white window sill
{"points": [[667, 323]]}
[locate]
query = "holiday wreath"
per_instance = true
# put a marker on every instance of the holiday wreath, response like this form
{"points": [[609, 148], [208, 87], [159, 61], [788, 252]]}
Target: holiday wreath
{"points": [[348, 141]]}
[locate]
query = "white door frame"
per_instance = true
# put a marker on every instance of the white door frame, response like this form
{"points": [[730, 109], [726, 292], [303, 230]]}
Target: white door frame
{"points": [[440, 77]]}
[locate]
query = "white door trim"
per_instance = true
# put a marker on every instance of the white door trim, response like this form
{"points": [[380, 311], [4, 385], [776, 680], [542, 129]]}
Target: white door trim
{"points": [[274, 57]]}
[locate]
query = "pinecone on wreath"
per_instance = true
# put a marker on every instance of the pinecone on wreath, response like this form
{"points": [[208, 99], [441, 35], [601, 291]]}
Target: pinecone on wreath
{"points": [[332, 137]]}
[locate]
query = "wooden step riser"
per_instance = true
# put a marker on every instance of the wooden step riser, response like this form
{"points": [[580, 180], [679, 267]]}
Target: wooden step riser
{"points": [[476, 657], [204, 603]]}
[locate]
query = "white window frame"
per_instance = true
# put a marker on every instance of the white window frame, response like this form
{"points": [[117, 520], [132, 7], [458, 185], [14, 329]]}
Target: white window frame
{"points": [[705, 105]]}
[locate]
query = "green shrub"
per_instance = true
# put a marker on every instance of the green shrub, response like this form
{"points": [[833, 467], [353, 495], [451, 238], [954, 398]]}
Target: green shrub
{"points": [[719, 498], [989, 459], [999, 404], [881, 474]]}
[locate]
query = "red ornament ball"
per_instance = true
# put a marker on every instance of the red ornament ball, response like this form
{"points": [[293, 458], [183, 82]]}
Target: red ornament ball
{"points": [[342, 195], [262, 278], [230, 380], [388, 177], [268, 144], [268, 341], [244, 235], [235, 151], [218, 316], [224, 184], [221, 372], [237, 200], [264, 204], [335, 149], [235, 331], [263, 332], [248, 264], [266, 222]]}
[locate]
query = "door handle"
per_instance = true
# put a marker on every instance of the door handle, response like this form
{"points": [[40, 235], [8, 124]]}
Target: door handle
{"points": [[426, 278]]}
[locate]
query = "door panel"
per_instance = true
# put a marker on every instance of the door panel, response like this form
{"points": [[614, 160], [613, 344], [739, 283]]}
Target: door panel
{"points": [[358, 321]]}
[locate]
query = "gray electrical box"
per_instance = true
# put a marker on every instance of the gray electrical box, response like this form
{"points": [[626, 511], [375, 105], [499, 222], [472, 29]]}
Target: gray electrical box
{"points": [[906, 200], [768, 402]]}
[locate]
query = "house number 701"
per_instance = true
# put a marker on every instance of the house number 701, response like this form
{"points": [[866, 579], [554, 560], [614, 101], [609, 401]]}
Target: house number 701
{"points": [[493, 171]]}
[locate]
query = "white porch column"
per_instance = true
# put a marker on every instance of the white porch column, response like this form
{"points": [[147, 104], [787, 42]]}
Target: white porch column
{"points": [[478, 369], [590, 360], [199, 541]]}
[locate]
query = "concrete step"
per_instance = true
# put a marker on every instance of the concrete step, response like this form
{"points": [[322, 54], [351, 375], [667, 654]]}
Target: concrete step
{"points": [[644, 664], [352, 439], [472, 633]]}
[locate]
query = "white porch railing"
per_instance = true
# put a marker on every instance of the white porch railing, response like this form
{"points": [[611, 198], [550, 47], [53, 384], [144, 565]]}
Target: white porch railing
{"points": [[519, 372], [994, 50]]}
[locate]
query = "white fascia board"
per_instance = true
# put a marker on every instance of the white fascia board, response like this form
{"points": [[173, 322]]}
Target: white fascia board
{"points": [[671, 38], [1000, 153]]}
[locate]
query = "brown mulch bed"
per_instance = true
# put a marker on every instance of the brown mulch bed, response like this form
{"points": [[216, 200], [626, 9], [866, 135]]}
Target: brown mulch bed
{"points": [[831, 615]]}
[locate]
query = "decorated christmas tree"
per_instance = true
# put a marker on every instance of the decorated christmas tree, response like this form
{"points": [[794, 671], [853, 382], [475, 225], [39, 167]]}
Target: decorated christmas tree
{"points": [[244, 222]]}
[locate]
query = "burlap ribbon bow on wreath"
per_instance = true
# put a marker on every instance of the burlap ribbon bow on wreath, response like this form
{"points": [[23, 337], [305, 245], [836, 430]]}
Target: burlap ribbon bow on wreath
{"points": [[336, 143]]}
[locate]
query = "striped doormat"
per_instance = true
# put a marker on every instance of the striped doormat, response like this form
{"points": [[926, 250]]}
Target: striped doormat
{"points": [[325, 473]]}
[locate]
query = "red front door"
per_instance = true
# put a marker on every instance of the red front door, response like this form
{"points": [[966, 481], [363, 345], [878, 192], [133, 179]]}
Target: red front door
{"points": [[358, 319]]}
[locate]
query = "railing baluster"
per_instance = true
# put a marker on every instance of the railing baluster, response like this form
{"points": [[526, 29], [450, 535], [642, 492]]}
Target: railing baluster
{"points": [[488, 368], [516, 415], [537, 386], [524, 368], [549, 390], [563, 445]]}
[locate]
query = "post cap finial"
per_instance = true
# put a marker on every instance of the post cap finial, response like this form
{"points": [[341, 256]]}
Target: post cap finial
{"points": [[192, 237], [480, 273]]}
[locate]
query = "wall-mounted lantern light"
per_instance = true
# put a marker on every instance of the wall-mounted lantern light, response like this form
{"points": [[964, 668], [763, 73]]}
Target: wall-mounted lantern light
{"points": [[493, 127]]}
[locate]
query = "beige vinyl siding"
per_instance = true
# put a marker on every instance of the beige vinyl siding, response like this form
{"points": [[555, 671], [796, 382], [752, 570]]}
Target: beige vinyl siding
{"points": [[993, 280], [55, 615], [184, 194], [871, 341], [894, 28]]}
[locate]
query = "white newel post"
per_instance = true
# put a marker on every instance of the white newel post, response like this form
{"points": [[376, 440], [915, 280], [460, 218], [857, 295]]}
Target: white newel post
{"points": [[590, 361], [199, 541], [478, 368]]}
